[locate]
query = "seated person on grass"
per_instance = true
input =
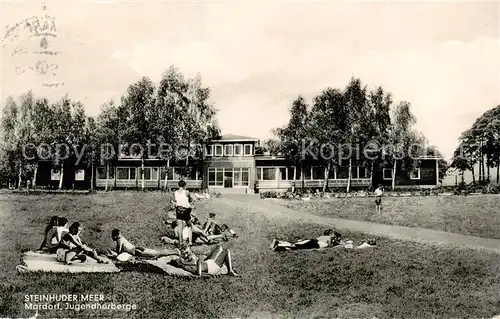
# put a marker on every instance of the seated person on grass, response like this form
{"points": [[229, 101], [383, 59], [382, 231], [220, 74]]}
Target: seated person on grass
{"points": [[123, 245], [330, 238], [52, 224], [212, 228], [211, 264], [55, 235], [198, 235], [72, 248]]}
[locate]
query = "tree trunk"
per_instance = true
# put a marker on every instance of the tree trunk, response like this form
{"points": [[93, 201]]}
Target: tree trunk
{"points": [[107, 177], [166, 174], [327, 174], [92, 177], [61, 176], [473, 176], [394, 175], [114, 176], [371, 173], [349, 176], [294, 179], [302, 176], [142, 174], [35, 173], [488, 169], [498, 170], [20, 177]]}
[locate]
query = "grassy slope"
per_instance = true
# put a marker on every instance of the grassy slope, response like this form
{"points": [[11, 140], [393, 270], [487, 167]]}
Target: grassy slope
{"points": [[473, 215], [395, 280]]}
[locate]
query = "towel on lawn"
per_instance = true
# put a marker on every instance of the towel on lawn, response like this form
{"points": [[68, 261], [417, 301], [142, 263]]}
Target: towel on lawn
{"points": [[163, 264], [43, 262]]}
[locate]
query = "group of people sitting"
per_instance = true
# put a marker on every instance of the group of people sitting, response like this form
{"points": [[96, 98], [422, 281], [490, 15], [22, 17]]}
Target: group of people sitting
{"points": [[66, 242]]}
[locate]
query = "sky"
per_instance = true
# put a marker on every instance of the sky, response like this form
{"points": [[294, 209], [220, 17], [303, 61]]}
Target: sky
{"points": [[258, 56]]}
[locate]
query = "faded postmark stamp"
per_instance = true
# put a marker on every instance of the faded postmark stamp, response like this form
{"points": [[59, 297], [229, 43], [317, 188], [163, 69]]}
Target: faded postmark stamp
{"points": [[30, 44]]}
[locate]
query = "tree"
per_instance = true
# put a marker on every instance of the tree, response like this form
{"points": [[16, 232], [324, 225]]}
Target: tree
{"points": [[400, 135], [295, 134], [329, 125], [138, 107]]}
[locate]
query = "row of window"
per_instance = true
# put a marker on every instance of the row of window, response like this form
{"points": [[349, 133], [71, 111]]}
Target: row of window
{"points": [[229, 150], [313, 173], [414, 174], [150, 173], [234, 176], [56, 175]]}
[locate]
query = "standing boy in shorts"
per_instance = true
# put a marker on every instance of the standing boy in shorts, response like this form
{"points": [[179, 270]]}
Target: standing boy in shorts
{"points": [[378, 198], [183, 210]]}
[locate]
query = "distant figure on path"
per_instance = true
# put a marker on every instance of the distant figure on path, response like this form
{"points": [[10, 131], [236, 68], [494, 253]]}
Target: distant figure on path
{"points": [[378, 198]]}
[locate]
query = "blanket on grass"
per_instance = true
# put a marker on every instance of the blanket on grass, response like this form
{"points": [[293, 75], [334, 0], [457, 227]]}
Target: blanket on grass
{"points": [[43, 262]]}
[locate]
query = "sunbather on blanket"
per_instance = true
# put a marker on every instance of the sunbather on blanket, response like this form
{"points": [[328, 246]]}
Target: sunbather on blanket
{"points": [[212, 228], [55, 235], [198, 235], [123, 245], [211, 264], [52, 224], [72, 248], [330, 238]]}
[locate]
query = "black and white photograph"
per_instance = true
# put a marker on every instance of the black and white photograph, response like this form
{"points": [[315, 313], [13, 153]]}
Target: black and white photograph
{"points": [[250, 159]]}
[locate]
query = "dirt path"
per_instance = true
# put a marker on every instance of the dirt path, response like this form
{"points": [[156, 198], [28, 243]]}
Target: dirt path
{"points": [[421, 235]]}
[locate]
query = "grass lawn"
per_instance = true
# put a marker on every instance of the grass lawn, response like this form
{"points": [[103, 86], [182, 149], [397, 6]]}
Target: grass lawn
{"points": [[395, 280], [472, 215]]}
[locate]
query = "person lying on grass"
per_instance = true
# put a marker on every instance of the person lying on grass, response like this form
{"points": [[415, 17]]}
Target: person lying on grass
{"points": [[72, 248], [212, 228], [52, 224], [211, 264], [124, 246], [330, 238], [198, 235], [55, 235]]}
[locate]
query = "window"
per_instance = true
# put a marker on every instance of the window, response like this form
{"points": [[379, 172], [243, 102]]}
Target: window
{"points": [[354, 172], [266, 173], [55, 175], [363, 172], [101, 173], [283, 175], [238, 150], [211, 176], [415, 174], [209, 150], [343, 172], [80, 175], [219, 177], [191, 174], [122, 173], [176, 173], [237, 177], [244, 176], [318, 172], [154, 173], [228, 150], [307, 173], [164, 171], [147, 173], [248, 149], [290, 172], [218, 150], [387, 173], [133, 172]]}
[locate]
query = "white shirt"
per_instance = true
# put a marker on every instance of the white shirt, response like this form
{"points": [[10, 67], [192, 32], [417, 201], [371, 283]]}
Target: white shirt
{"points": [[181, 198], [378, 192]]}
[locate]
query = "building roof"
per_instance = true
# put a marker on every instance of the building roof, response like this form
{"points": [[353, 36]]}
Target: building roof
{"points": [[236, 138]]}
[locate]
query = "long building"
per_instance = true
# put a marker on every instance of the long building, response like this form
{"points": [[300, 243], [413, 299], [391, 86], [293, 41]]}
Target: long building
{"points": [[230, 165]]}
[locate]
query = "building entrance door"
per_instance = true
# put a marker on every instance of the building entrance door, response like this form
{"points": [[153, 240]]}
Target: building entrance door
{"points": [[228, 179]]}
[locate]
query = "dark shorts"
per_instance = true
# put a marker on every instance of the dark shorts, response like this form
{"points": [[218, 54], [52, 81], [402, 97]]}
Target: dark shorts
{"points": [[183, 213], [378, 201], [310, 244]]}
